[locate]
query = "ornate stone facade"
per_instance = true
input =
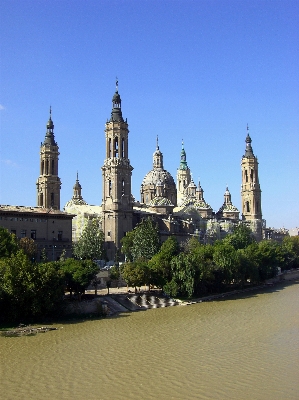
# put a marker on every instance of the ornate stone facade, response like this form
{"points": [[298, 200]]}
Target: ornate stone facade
{"points": [[117, 202], [251, 191], [48, 183]]}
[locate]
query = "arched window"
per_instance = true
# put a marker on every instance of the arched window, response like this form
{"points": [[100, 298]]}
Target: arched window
{"points": [[109, 147], [47, 167], [110, 187], [41, 199], [43, 167], [116, 147], [247, 206], [246, 175], [251, 175], [52, 199], [52, 167], [123, 186], [123, 147]]}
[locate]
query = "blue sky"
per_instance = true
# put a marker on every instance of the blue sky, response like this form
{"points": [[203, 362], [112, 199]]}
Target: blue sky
{"points": [[192, 70]]}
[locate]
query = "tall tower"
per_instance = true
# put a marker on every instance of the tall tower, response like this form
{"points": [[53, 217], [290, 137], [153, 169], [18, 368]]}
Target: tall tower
{"points": [[77, 190], [250, 190], [183, 177], [117, 201], [48, 183]]}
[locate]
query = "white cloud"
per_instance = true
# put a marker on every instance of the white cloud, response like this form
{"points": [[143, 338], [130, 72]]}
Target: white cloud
{"points": [[2, 107], [9, 163]]}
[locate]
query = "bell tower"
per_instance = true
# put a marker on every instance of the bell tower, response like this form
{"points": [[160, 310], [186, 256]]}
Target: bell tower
{"points": [[250, 190], [117, 204], [48, 183], [183, 177]]}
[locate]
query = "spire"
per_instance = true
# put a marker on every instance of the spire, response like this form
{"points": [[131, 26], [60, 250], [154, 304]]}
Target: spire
{"points": [[199, 192], [116, 114], [248, 150], [158, 157], [77, 190], [49, 138], [227, 196], [183, 163]]}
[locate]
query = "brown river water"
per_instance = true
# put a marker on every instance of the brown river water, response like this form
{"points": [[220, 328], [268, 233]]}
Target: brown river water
{"points": [[238, 348]]}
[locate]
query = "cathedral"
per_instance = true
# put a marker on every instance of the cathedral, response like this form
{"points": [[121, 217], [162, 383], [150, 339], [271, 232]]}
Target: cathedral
{"points": [[179, 208]]}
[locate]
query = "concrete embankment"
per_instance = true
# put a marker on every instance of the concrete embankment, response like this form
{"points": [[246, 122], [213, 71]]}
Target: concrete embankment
{"points": [[123, 300]]}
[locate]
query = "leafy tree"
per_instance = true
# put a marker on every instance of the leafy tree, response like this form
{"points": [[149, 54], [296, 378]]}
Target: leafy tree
{"points": [[270, 257], [28, 289], [114, 273], [171, 288], [91, 243], [8, 243], [240, 238], [183, 272], [43, 255], [160, 263], [146, 241], [290, 249], [29, 247], [225, 259], [127, 245], [135, 273], [249, 263], [78, 274], [201, 257]]}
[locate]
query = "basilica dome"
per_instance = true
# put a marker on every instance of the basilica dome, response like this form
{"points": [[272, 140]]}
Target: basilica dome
{"points": [[158, 182], [158, 175]]}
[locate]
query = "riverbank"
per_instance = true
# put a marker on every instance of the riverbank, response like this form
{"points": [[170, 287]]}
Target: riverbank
{"points": [[144, 300]]}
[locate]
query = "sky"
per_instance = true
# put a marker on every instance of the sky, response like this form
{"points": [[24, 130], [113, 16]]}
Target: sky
{"points": [[197, 71]]}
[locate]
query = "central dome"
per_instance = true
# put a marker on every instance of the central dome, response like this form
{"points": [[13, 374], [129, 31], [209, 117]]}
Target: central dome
{"points": [[158, 182], [158, 175]]}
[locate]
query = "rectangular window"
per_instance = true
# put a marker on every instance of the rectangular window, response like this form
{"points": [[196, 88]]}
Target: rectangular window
{"points": [[108, 233], [59, 237], [23, 233], [33, 234]]}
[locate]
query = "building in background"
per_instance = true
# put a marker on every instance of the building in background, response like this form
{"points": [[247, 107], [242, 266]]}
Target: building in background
{"points": [[179, 209], [50, 229]]}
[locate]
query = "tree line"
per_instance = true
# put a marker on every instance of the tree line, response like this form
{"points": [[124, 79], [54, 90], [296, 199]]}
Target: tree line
{"points": [[194, 269], [30, 289]]}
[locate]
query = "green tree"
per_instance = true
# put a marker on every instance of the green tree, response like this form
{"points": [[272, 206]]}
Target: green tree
{"points": [[225, 259], [29, 247], [78, 274], [160, 263], [146, 241], [8, 243], [290, 249], [240, 238], [135, 273], [28, 289], [91, 243], [201, 257], [249, 264], [127, 245], [183, 273], [270, 256]]}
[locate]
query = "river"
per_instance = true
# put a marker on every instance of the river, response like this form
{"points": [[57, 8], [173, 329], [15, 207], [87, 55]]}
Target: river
{"points": [[238, 348]]}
